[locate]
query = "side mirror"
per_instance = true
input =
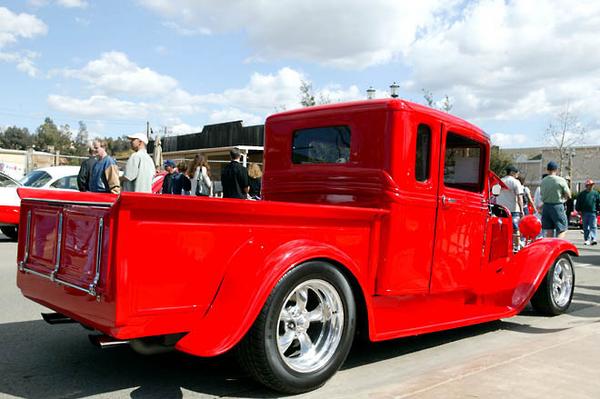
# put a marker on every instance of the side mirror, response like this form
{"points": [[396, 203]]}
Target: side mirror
{"points": [[496, 190]]}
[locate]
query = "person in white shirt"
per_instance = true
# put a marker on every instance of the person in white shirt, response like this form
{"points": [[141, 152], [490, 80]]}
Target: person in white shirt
{"points": [[139, 170], [512, 198]]}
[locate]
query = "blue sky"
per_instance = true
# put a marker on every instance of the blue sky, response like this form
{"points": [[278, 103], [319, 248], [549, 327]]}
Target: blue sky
{"points": [[508, 66]]}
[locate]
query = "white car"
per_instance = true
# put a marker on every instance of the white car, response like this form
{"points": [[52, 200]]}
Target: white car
{"points": [[59, 177]]}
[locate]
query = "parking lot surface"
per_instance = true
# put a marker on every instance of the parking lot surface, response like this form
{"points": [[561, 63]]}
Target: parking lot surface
{"points": [[528, 356]]}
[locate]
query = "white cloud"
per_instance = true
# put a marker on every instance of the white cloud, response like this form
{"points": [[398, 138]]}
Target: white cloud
{"points": [[62, 3], [120, 89], [508, 140], [23, 59], [72, 3], [98, 106], [15, 26], [498, 59], [512, 59], [184, 128], [114, 73], [348, 35], [234, 114]]}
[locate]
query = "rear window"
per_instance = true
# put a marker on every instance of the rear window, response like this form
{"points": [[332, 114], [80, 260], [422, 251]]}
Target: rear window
{"points": [[321, 145], [37, 178]]}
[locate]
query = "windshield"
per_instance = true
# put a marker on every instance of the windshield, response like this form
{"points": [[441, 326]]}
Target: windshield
{"points": [[7, 182], [37, 178]]}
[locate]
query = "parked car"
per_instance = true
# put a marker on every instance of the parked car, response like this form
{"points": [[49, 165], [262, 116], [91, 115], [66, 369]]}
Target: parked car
{"points": [[9, 205], [377, 216], [55, 177]]}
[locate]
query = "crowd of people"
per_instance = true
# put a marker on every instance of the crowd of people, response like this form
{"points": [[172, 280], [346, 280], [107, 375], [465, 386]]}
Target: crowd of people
{"points": [[549, 203], [99, 173]]}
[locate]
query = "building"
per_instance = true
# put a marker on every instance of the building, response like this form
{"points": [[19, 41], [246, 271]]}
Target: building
{"points": [[582, 163], [215, 142]]}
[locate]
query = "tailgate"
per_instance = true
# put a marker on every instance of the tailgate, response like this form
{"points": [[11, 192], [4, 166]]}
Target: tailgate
{"points": [[64, 253]]}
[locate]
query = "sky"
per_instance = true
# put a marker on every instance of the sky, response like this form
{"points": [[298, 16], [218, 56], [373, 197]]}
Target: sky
{"points": [[509, 67]]}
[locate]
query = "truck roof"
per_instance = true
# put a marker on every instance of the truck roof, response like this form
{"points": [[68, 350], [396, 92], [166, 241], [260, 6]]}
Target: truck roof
{"points": [[364, 105]]}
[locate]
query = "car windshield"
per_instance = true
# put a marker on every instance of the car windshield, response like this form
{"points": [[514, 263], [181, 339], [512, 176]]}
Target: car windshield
{"points": [[37, 178], [7, 182]]}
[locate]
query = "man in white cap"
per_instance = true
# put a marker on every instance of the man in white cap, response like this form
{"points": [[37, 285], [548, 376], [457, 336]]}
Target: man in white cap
{"points": [[139, 170]]}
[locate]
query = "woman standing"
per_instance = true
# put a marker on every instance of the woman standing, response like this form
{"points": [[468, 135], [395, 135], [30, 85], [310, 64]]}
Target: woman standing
{"points": [[254, 180], [181, 182], [199, 170]]}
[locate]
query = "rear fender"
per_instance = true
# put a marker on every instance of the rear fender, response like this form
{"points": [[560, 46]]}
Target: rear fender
{"points": [[526, 270], [245, 288]]}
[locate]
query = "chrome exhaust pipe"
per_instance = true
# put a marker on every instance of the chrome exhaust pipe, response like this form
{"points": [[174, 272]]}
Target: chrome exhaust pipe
{"points": [[104, 341], [56, 318]]}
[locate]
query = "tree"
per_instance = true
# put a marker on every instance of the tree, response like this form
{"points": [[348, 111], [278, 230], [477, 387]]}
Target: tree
{"points": [[82, 139], [445, 104], [307, 98], [119, 146], [428, 96], [50, 138], [16, 138], [499, 161], [563, 133]]}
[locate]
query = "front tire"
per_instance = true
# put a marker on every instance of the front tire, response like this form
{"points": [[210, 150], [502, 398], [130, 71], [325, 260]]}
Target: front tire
{"points": [[11, 232], [555, 293], [304, 331]]}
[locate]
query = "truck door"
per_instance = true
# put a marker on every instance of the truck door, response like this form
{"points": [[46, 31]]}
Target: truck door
{"points": [[462, 211]]}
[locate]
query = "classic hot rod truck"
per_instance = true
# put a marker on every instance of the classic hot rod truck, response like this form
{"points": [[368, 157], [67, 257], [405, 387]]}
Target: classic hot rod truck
{"points": [[377, 218]]}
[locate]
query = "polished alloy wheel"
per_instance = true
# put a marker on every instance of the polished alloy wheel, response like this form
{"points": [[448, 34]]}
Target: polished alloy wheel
{"points": [[562, 282], [310, 326]]}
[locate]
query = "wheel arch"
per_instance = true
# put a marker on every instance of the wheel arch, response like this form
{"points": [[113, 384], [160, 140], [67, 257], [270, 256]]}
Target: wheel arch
{"points": [[227, 321], [528, 275]]}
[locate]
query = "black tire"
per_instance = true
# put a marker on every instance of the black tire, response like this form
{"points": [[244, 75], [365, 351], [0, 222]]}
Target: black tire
{"points": [[11, 232], [552, 298], [259, 351]]}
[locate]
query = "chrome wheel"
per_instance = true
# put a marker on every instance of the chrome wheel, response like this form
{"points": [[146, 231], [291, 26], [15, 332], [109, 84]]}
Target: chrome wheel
{"points": [[310, 326], [562, 282]]}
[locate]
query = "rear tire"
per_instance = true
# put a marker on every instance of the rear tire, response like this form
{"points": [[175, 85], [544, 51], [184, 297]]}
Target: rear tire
{"points": [[304, 331], [554, 295], [11, 232]]}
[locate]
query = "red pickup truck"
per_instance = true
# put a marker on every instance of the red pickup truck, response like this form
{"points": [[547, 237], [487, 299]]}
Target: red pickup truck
{"points": [[377, 218]]}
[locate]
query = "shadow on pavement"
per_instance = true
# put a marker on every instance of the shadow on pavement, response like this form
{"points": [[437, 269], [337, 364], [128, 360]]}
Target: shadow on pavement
{"points": [[45, 361], [42, 361], [589, 259]]}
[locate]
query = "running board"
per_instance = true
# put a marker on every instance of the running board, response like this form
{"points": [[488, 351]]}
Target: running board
{"points": [[57, 318], [104, 341]]}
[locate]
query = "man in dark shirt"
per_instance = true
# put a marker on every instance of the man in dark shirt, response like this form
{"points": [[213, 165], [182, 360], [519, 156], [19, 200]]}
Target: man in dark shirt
{"points": [[85, 171], [167, 186], [234, 177], [588, 203]]}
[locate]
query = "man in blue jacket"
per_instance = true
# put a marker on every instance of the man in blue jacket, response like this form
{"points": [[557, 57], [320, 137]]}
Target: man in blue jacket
{"points": [[588, 203]]}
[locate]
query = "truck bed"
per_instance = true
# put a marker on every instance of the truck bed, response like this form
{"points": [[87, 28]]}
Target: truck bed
{"points": [[140, 265]]}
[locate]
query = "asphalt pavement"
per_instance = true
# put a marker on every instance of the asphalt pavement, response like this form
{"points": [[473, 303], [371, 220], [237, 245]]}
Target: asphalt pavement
{"points": [[528, 356]]}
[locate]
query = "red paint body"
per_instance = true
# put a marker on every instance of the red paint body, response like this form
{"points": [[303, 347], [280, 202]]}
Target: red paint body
{"points": [[422, 256], [9, 214]]}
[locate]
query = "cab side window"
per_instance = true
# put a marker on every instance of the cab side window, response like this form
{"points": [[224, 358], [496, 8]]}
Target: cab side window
{"points": [[463, 163], [423, 153]]}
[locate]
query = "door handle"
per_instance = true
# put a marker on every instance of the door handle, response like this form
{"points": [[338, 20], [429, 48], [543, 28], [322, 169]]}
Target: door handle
{"points": [[448, 201]]}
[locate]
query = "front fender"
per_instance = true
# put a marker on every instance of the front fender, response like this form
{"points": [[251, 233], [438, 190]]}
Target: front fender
{"points": [[527, 268], [244, 290]]}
